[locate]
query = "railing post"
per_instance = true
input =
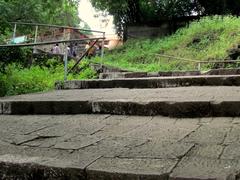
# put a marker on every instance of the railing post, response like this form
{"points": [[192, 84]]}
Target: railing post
{"points": [[65, 56], [102, 50], [65, 59], [199, 66], [14, 31], [35, 39]]}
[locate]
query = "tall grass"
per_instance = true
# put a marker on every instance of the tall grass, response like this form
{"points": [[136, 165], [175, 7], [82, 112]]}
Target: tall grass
{"points": [[207, 39], [19, 80]]}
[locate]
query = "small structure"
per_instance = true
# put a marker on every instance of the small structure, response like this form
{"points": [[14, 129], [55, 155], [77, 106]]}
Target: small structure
{"points": [[62, 34], [111, 41]]}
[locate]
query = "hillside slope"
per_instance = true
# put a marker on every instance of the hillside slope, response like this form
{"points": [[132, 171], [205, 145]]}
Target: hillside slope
{"points": [[211, 38]]}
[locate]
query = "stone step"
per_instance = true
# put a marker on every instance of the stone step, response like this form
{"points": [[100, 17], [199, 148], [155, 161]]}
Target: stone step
{"points": [[176, 102], [99, 147], [119, 75], [161, 82]]}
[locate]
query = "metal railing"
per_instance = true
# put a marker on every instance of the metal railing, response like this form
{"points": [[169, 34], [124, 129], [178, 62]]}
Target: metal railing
{"points": [[64, 42], [197, 62]]}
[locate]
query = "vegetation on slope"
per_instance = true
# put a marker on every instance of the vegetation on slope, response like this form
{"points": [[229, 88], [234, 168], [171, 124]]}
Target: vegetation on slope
{"points": [[210, 38], [17, 79]]}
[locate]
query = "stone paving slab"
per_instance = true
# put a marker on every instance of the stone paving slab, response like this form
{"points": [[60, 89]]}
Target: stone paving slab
{"points": [[175, 102], [118, 147], [203, 169], [157, 82], [126, 168]]}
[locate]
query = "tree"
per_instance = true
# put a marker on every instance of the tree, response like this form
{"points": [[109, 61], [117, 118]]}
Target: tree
{"points": [[61, 12], [220, 7], [127, 12]]}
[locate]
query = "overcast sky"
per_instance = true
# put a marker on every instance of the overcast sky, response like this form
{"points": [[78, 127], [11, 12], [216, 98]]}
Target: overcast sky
{"points": [[87, 12]]}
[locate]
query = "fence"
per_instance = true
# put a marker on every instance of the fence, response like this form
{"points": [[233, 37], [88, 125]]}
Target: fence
{"points": [[63, 40], [197, 62]]}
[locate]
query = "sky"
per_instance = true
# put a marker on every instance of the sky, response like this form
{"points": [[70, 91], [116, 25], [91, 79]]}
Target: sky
{"points": [[88, 14]]}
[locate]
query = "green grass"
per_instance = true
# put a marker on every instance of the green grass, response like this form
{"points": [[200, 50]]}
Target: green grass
{"points": [[19, 80], [207, 39]]}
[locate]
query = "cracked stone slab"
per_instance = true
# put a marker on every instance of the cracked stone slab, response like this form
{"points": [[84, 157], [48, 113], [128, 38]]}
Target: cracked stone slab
{"points": [[207, 135], [212, 151], [205, 169], [134, 169], [164, 129], [20, 139], [79, 159], [122, 125], [42, 143], [22, 167], [233, 136], [114, 146], [231, 152], [154, 149], [77, 143]]}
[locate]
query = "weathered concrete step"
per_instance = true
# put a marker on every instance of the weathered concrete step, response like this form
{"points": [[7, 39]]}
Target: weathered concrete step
{"points": [[161, 82], [100, 68], [175, 102], [119, 75], [99, 147], [33, 168]]}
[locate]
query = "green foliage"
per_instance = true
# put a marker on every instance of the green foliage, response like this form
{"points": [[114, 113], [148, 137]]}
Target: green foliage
{"points": [[62, 12], [220, 7], [127, 12], [18, 80], [207, 39], [14, 55]]}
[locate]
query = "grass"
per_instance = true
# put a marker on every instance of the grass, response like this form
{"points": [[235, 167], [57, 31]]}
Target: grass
{"points": [[19, 80], [207, 39]]}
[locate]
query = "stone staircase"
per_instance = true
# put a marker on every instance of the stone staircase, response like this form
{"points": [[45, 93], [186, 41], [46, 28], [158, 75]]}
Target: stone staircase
{"points": [[183, 127]]}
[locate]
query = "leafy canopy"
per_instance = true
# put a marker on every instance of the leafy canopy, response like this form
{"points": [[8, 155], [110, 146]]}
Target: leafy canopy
{"points": [[61, 12], [127, 12]]}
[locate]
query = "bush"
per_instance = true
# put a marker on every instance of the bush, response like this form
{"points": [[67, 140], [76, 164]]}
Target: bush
{"points": [[19, 80]]}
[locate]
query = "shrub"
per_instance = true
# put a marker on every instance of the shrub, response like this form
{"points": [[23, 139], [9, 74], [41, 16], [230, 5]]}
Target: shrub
{"points": [[19, 80]]}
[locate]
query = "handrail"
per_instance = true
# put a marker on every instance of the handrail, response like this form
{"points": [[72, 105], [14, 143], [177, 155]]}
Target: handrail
{"points": [[197, 61], [50, 42], [65, 57], [83, 55], [55, 26], [174, 57]]}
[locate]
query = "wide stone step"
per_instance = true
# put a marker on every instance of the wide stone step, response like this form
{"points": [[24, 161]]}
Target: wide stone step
{"points": [[119, 75], [160, 82], [175, 102], [99, 147]]}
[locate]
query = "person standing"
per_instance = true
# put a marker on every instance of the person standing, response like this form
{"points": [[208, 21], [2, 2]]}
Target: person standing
{"points": [[56, 49]]}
